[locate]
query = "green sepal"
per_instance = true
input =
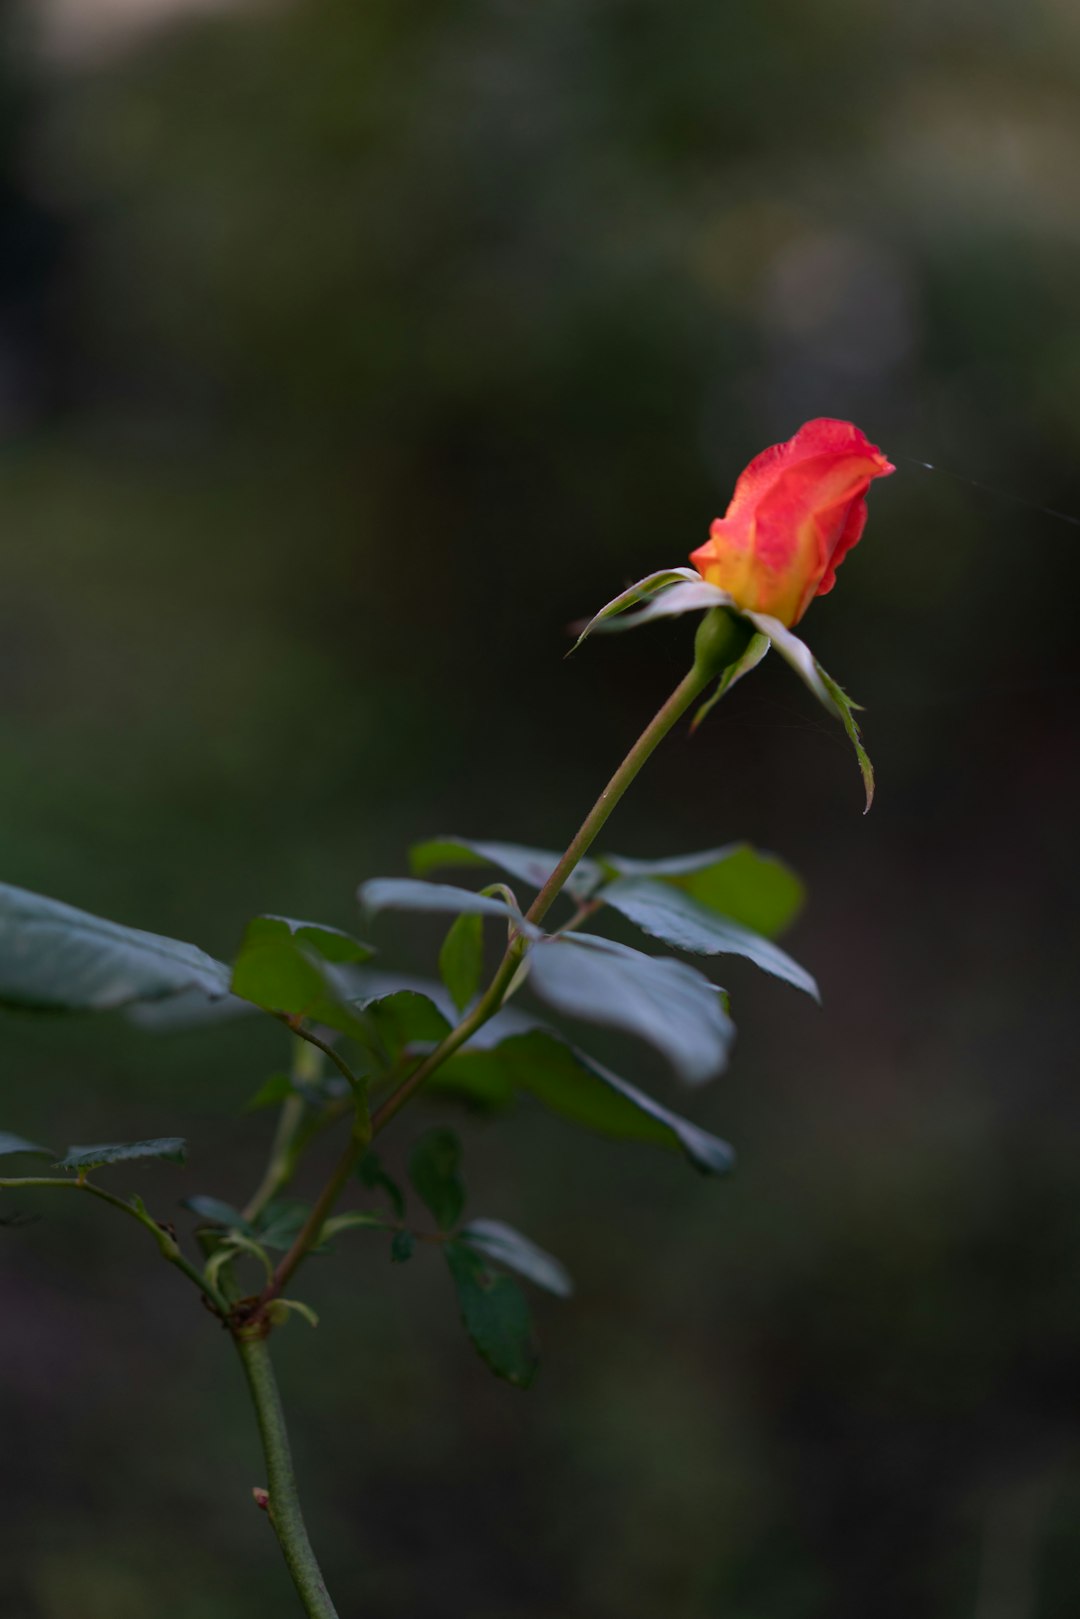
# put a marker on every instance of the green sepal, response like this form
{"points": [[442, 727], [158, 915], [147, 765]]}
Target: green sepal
{"points": [[846, 709], [680, 590], [756, 649], [646, 591]]}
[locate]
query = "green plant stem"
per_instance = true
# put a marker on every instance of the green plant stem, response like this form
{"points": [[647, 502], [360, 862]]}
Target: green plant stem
{"points": [[279, 1169], [285, 1148], [689, 689], [685, 694], [283, 1507], [296, 1025], [167, 1243], [323, 1207]]}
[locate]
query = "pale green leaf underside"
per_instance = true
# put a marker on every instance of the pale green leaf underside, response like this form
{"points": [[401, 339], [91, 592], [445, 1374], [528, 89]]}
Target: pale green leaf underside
{"points": [[645, 590], [539, 1062], [665, 1002], [506, 1246], [412, 894], [56, 958], [173, 1148], [679, 920], [10, 1145], [738, 881], [531, 866]]}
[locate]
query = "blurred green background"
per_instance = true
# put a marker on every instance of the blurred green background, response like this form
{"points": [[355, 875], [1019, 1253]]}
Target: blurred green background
{"points": [[347, 354]]}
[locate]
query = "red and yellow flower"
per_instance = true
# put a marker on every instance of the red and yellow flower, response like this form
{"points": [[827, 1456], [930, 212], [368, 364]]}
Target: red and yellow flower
{"points": [[797, 510]]}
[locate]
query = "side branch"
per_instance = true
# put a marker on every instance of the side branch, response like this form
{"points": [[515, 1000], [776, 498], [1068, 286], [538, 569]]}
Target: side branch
{"points": [[167, 1243]]}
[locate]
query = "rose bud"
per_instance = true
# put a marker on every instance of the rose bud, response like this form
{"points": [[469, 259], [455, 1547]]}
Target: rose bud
{"points": [[796, 512]]}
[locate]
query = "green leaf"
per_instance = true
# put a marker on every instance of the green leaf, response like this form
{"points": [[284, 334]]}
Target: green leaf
{"points": [[174, 1148], [281, 1222], [565, 1079], [12, 1144], [434, 1169], [190, 1009], [410, 894], [500, 1242], [461, 959], [645, 590], [278, 1088], [54, 957], [332, 944], [847, 711], [666, 913], [495, 1314], [404, 1018], [531, 866], [739, 882], [370, 1173], [672, 1006], [401, 1247], [282, 968], [213, 1211]]}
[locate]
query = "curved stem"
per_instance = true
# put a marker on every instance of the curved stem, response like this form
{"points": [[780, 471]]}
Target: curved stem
{"points": [[686, 692], [296, 1024], [283, 1503], [308, 1235]]}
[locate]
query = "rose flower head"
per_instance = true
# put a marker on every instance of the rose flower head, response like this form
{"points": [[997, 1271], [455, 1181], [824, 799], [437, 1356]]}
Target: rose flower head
{"points": [[796, 512]]}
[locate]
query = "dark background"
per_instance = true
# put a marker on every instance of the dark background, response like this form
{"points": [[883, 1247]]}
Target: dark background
{"points": [[348, 352]]}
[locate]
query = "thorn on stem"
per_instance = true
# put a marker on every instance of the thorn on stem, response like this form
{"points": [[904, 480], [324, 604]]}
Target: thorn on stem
{"points": [[261, 1498]]}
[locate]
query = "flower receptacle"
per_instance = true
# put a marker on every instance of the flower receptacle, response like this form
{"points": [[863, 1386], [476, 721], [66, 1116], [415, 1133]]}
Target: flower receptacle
{"points": [[721, 640]]}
